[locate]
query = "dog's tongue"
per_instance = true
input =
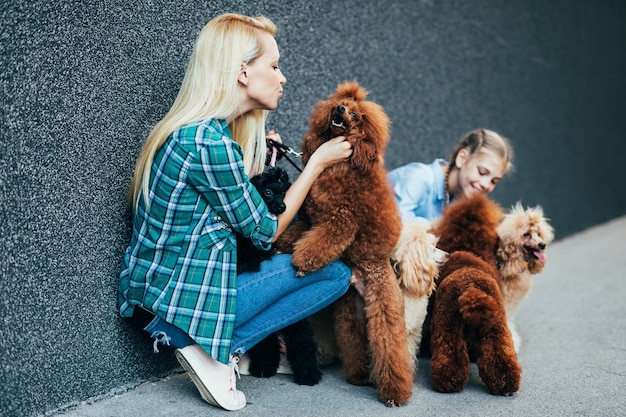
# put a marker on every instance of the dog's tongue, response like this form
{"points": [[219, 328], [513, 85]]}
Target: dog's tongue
{"points": [[539, 256]]}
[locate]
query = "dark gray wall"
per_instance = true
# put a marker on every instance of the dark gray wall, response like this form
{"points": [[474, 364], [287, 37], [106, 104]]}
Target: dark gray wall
{"points": [[83, 82]]}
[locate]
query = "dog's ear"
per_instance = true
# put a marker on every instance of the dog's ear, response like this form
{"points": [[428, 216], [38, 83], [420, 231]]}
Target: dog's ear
{"points": [[320, 116], [414, 264], [369, 149], [376, 123], [258, 180], [273, 174], [284, 177], [364, 152]]}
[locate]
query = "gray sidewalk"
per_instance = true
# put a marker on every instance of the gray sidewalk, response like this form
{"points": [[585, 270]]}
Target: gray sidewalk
{"points": [[573, 329]]}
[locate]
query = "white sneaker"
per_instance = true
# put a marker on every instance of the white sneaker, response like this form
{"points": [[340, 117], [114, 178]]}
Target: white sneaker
{"points": [[215, 381]]}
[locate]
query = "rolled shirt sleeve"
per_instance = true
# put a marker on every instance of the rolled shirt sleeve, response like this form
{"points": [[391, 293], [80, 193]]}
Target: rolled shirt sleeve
{"points": [[217, 172]]}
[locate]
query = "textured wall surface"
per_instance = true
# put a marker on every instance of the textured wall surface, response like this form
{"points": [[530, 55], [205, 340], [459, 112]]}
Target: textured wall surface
{"points": [[83, 82]]}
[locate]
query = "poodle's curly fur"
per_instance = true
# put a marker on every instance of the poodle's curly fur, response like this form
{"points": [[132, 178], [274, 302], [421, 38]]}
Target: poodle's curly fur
{"points": [[351, 214], [301, 354], [468, 315], [524, 235], [416, 260]]}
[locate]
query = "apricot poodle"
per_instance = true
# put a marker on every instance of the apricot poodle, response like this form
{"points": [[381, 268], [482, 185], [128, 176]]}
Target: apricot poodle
{"points": [[468, 320], [524, 236], [416, 260], [351, 214]]}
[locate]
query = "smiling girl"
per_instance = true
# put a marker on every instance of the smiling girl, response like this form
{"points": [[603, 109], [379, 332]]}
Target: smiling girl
{"points": [[478, 163]]}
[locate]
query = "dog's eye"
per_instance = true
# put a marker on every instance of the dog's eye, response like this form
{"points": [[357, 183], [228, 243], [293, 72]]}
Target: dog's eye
{"points": [[397, 268], [526, 234], [353, 115], [267, 193]]}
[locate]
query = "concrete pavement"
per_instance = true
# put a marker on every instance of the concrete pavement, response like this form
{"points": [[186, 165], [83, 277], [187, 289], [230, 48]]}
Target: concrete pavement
{"points": [[573, 354]]}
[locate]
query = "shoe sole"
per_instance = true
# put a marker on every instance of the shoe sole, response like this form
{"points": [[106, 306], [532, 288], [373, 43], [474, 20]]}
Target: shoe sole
{"points": [[204, 392]]}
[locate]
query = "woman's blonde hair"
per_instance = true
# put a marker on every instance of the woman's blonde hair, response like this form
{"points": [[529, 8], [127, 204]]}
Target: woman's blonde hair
{"points": [[210, 91], [484, 139]]}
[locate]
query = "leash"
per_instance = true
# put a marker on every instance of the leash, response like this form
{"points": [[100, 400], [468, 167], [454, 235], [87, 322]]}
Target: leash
{"points": [[277, 150]]}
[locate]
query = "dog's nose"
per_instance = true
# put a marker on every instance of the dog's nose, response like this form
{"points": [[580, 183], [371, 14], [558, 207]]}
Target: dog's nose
{"points": [[542, 246], [341, 109]]}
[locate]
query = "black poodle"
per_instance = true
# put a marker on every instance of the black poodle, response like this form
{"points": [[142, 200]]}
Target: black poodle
{"points": [[272, 184], [301, 348]]}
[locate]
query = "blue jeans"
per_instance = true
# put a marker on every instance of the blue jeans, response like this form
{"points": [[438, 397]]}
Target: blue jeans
{"points": [[274, 298], [268, 301], [167, 334]]}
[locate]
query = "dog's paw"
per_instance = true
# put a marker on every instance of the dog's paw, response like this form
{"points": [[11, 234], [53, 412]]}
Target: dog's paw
{"points": [[304, 263], [449, 372], [391, 404], [395, 396], [261, 369], [503, 377], [311, 376]]}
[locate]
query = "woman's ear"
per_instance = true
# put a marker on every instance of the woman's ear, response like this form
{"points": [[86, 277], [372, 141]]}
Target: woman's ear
{"points": [[461, 157], [243, 75]]}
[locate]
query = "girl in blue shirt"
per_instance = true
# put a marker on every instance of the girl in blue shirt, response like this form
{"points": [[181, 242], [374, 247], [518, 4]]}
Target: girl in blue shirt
{"points": [[191, 192], [479, 161]]}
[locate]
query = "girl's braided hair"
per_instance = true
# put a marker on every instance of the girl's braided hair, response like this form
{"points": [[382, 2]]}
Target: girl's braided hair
{"points": [[479, 139]]}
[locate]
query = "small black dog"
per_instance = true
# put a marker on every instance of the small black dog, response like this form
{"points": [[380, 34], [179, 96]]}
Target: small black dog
{"points": [[301, 348], [272, 184]]}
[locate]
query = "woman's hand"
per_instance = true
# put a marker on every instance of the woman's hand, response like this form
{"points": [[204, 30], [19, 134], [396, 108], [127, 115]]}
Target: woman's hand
{"points": [[273, 136], [337, 149]]}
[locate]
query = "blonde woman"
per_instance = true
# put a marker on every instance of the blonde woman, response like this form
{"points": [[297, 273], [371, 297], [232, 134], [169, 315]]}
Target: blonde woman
{"points": [[479, 161], [191, 192]]}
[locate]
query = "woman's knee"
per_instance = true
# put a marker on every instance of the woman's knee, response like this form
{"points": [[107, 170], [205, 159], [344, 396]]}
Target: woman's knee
{"points": [[340, 274]]}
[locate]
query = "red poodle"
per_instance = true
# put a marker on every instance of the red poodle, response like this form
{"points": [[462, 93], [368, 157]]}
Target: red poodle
{"points": [[351, 214], [468, 315]]}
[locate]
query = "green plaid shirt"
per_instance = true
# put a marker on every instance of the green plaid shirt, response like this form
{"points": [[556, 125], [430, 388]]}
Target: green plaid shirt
{"points": [[181, 262]]}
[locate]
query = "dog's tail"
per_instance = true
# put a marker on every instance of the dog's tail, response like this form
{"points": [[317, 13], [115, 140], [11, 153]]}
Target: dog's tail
{"points": [[478, 308]]}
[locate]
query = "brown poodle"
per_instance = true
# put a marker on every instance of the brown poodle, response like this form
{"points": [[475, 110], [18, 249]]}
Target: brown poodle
{"points": [[351, 214], [416, 260], [524, 235], [468, 315]]}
